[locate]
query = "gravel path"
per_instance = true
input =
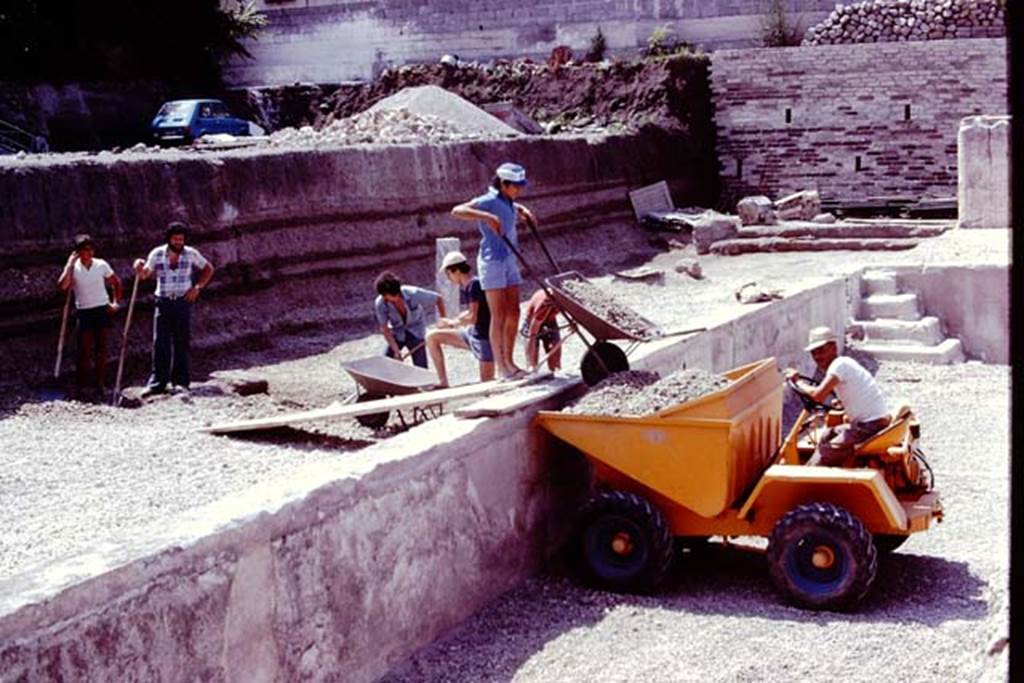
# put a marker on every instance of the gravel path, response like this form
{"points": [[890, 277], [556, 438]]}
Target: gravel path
{"points": [[938, 604], [73, 475]]}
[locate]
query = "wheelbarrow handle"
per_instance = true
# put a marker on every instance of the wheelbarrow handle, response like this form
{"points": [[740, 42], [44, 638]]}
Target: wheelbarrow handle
{"points": [[413, 350]]}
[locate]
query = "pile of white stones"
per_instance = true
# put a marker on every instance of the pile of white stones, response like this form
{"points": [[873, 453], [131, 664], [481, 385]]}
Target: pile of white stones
{"points": [[879, 21], [383, 127]]}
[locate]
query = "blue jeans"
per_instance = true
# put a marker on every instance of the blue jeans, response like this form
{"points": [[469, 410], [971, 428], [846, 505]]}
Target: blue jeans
{"points": [[171, 337], [419, 356]]}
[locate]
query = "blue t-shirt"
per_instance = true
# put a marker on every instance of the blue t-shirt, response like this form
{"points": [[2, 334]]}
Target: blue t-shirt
{"points": [[474, 291], [493, 248], [417, 304]]}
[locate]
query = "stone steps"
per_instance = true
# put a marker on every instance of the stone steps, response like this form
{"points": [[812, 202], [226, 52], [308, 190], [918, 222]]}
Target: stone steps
{"points": [[924, 331], [946, 352], [898, 306], [892, 327]]}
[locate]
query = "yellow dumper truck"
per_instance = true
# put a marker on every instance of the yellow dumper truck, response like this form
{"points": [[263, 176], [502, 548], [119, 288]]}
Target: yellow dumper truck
{"points": [[718, 465]]}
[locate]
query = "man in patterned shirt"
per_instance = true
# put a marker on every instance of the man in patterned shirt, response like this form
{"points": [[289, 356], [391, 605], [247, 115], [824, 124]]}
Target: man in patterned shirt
{"points": [[175, 266]]}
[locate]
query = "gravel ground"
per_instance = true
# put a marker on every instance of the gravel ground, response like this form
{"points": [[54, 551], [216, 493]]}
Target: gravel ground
{"points": [[936, 607], [130, 469], [637, 393]]}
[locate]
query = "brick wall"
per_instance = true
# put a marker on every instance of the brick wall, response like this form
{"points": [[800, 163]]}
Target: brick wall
{"points": [[328, 41], [852, 121]]}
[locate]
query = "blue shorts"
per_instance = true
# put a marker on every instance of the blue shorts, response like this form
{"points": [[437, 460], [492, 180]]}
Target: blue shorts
{"points": [[498, 274], [481, 348]]}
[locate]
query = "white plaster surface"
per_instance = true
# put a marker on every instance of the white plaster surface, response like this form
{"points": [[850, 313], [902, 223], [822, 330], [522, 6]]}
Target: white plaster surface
{"points": [[983, 172]]}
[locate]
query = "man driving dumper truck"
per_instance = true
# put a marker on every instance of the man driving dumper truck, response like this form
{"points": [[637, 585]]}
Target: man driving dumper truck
{"points": [[719, 465]]}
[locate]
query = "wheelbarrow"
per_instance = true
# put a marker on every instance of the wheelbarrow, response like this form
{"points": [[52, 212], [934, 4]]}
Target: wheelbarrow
{"points": [[602, 358], [381, 377]]}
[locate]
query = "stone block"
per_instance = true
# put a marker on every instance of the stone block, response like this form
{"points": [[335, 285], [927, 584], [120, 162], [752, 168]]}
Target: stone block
{"points": [[756, 210], [712, 227], [983, 172], [803, 206]]}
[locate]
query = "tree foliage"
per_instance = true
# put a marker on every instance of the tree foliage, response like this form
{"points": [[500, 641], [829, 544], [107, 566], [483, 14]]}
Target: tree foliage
{"points": [[776, 28], [119, 40]]}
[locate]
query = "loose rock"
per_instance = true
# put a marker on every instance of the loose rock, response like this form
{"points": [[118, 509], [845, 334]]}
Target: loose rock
{"points": [[638, 393]]}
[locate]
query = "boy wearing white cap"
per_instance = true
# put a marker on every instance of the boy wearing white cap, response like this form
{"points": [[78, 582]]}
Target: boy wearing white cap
{"points": [[862, 400], [470, 329], [496, 213]]}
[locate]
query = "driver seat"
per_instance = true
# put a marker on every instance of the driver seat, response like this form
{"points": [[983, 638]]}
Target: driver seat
{"points": [[893, 435]]}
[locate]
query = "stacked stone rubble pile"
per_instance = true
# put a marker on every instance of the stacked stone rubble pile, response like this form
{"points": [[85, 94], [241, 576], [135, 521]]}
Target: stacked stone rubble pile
{"points": [[381, 126], [605, 306], [637, 393], [880, 21]]}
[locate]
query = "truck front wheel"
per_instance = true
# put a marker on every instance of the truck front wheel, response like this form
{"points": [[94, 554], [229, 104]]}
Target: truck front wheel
{"points": [[821, 557], [623, 542]]}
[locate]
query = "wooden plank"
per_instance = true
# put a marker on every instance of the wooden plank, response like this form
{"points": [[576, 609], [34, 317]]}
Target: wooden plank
{"points": [[351, 410], [546, 385]]}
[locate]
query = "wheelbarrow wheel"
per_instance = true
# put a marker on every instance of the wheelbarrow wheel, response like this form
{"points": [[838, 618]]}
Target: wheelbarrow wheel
{"points": [[623, 542], [821, 557], [372, 420], [600, 360]]}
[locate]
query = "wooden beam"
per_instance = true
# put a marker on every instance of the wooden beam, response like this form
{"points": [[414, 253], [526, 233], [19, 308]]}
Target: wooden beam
{"points": [[351, 410]]}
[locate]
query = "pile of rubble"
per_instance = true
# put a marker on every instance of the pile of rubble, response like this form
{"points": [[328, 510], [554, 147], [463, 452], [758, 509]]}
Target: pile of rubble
{"points": [[879, 21], [380, 126], [638, 393], [605, 306]]}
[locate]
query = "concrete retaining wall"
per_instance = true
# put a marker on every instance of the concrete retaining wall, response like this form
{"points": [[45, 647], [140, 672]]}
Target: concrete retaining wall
{"points": [[983, 172], [328, 41], [852, 121], [339, 573], [297, 237]]}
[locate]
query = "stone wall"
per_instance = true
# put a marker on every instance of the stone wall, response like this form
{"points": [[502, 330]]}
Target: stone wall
{"points": [[852, 121], [879, 21], [298, 236], [329, 41]]}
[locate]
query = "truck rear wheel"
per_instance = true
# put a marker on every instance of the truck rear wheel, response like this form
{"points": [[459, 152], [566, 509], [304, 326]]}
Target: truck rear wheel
{"points": [[821, 557], [623, 542]]}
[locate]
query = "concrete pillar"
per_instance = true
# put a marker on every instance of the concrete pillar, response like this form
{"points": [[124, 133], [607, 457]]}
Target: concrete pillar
{"points": [[983, 172], [448, 291]]}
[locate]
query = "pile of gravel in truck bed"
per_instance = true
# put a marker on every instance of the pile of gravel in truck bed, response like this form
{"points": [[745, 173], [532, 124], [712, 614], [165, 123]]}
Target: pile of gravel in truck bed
{"points": [[604, 305], [636, 393]]}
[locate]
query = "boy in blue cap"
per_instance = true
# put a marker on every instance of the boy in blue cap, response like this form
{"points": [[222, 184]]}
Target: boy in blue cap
{"points": [[496, 213]]}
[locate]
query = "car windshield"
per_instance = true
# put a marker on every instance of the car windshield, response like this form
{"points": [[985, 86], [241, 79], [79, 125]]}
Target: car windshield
{"points": [[175, 109]]}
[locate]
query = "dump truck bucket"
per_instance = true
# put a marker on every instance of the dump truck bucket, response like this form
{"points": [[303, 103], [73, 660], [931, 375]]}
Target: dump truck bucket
{"points": [[702, 454]]}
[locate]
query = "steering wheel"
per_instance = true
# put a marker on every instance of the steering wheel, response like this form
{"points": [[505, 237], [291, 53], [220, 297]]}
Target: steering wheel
{"points": [[809, 403]]}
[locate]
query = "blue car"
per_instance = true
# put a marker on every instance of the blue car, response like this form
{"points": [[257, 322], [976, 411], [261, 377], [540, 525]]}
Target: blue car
{"points": [[183, 121]]}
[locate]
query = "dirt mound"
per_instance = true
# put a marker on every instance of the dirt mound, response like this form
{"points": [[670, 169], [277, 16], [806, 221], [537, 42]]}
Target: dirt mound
{"points": [[433, 101], [672, 93]]}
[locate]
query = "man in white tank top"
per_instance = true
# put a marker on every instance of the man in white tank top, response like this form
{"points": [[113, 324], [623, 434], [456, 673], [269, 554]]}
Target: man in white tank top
{"points": [[862, 400]]}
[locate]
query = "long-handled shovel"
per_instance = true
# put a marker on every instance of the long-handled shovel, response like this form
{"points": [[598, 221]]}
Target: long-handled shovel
{"points": [[63, 333], [115, 399]]}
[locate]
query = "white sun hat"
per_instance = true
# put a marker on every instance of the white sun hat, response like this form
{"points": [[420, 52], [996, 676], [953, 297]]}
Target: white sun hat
{"points": [[819, 336]]}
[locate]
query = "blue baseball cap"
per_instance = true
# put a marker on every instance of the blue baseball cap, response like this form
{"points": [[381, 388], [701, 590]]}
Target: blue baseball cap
{"points": [[513, 173]]}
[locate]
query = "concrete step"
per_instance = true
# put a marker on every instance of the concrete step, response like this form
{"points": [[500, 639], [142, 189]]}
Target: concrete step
{"points": [[946, 352], [924, 331], [879, 282], [748, 245], [900, 306]]}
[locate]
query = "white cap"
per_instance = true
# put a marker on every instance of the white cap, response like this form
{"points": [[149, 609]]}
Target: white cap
{"points": [[819, 336], [452, 258], [513, 173]]}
